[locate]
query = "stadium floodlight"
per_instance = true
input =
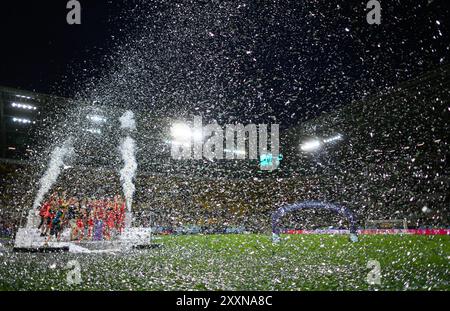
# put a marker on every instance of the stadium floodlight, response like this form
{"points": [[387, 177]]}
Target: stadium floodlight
{"points": [[333, 138], [23, 106], [94, 131], [96, 118], [179, 143], [23, 96], [311, 145], [181, 132], [21, 120], [197, 135]]}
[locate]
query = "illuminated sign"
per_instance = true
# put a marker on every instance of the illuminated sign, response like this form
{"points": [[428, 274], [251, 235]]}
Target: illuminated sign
{"points": [[265, 160]]}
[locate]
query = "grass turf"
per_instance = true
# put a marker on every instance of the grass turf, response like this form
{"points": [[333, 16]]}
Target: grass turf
{"points": [[243, 262]]}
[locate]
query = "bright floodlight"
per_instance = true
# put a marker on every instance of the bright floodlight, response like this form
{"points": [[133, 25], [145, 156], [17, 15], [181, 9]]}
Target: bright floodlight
{"points": [[94, 131], [181, 131], [311, 145], [197, 135], [333, 138], [96, 118], [21, 120], [23, 96], [23, 106]]}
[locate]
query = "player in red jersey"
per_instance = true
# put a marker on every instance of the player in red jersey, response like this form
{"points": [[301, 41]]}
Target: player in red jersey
{"points": [[43, 214], [49, 215], [109, 220], [78, 228], [90, 224], [121, 217]]}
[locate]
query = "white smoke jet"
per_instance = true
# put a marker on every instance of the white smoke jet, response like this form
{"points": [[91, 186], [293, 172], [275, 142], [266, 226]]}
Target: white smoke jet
{"points": [[57, 157], [127, 173]]}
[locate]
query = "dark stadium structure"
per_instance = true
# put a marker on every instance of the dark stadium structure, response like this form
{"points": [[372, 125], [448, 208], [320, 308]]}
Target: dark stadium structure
{"points": [[21, 114], [384, 157]]}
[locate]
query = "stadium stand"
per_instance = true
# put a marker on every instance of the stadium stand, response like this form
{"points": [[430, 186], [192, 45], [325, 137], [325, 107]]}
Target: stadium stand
{"points": [[384, 157]]}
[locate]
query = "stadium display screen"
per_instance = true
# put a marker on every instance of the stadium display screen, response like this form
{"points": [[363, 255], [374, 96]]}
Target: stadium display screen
{"points": [[266, 160]]}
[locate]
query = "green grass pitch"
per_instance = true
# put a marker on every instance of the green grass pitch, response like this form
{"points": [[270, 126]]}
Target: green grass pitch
{"points": [[243, 262]]}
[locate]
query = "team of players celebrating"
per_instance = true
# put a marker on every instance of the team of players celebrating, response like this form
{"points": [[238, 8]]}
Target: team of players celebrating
{"points": [[87, 219]]}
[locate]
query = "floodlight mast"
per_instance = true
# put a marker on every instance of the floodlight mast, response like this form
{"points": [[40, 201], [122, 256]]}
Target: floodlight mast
{"points": [[315, 144], [311, 145]]}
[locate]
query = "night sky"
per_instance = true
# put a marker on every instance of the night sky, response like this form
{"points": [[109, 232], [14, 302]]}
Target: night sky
{"points": [[290, 59], [41, 52]]}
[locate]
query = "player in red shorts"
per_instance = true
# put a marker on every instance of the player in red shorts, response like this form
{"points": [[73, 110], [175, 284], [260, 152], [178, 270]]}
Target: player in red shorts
{"points": [[80, 228], [110, 221], [90, 225], [43, 213], [49, 215], [116, 210], [78, 232], [120, 218]]}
